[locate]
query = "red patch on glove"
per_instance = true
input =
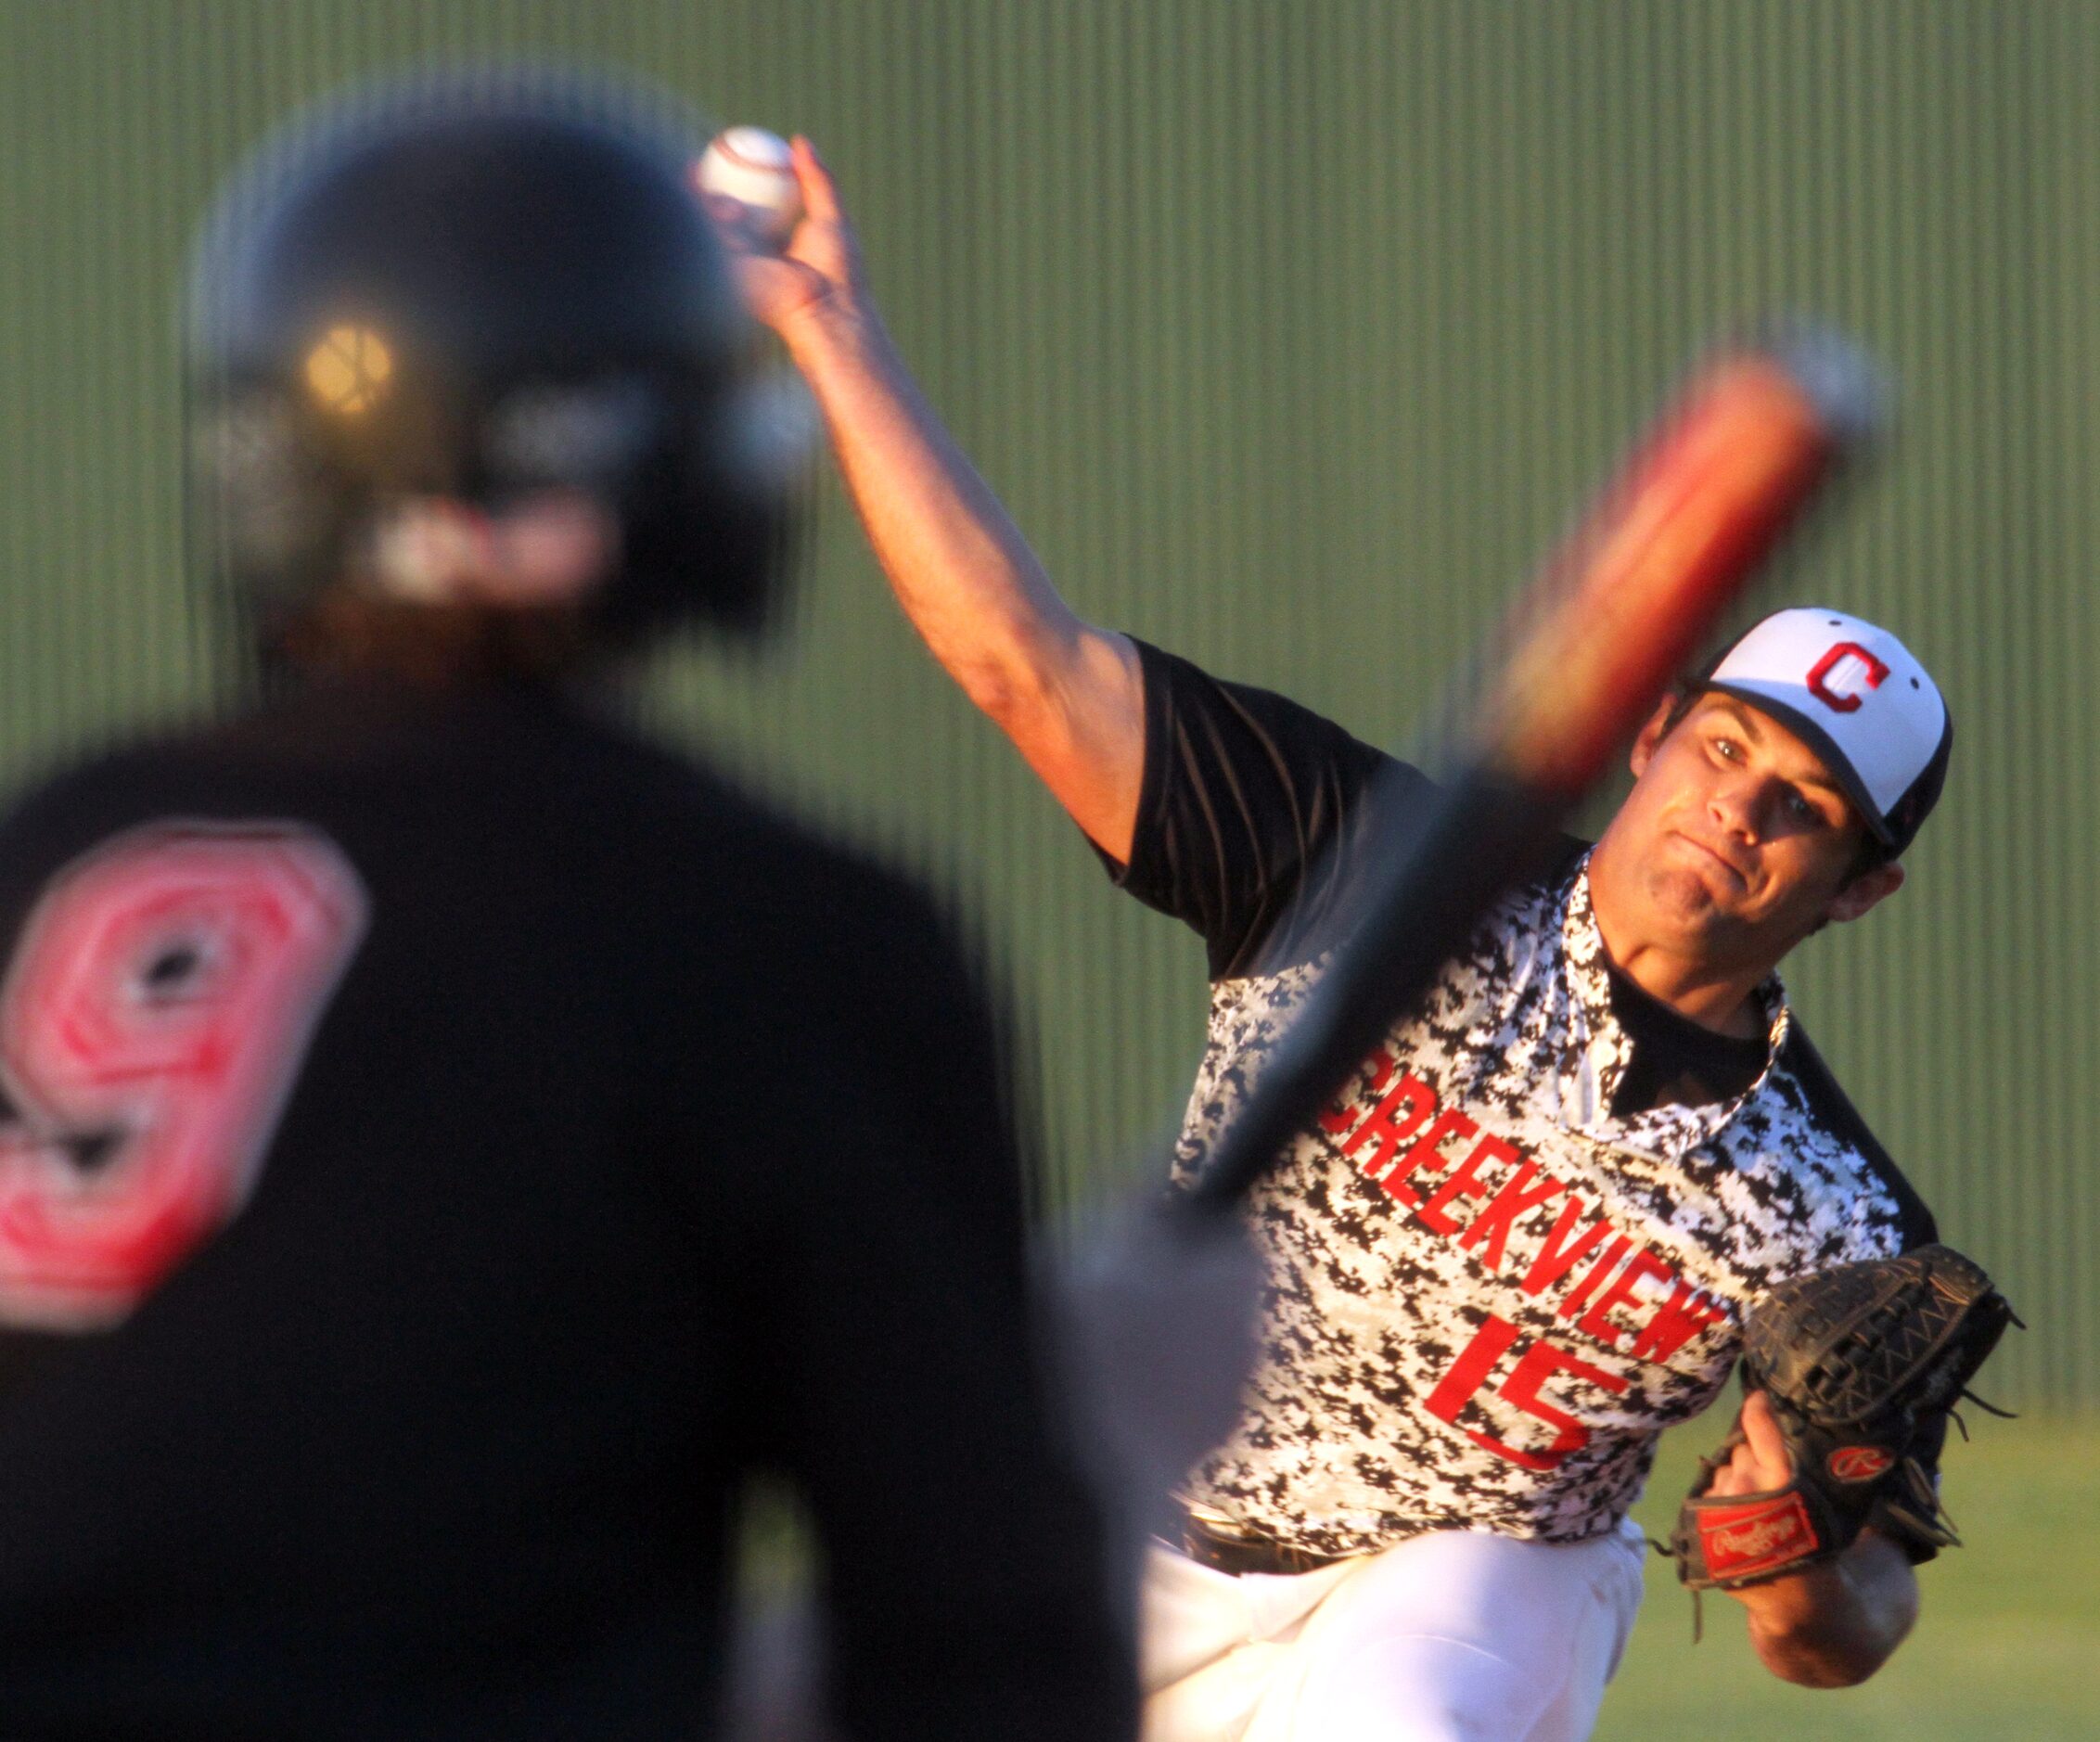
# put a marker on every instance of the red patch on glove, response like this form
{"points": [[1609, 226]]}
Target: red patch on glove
{"points": [[1769, 1531]]}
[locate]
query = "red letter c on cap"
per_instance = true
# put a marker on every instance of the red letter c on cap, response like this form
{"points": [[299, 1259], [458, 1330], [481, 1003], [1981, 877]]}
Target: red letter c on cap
{"points": [[1875, 671]]}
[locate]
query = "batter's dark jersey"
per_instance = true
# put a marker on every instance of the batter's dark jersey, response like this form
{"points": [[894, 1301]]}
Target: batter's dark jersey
{"points": [[639, 1141], [1516, 1244]]}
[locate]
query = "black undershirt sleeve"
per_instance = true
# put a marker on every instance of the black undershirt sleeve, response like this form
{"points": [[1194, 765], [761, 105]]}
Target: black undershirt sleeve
{"points": [[1249, 814]]}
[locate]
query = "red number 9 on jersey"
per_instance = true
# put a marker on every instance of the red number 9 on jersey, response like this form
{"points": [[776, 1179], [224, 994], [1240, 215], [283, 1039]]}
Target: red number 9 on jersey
{"points": [[151, 1024]]}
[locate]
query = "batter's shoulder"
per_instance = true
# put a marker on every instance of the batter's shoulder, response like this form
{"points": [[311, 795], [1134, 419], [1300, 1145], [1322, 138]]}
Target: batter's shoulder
{"points": [[739, 878], [705, 825], [67, 809]]}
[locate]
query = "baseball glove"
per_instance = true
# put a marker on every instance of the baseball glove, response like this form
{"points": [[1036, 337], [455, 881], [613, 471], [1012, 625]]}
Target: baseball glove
{"points": [[1862, 1364]]}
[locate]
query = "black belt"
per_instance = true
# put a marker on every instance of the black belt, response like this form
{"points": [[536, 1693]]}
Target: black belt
{"points": [[1235, 1549]]}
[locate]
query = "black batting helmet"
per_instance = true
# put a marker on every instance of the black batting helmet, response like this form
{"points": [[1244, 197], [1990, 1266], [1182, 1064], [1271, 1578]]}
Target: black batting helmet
{"points": [[461, 293]]}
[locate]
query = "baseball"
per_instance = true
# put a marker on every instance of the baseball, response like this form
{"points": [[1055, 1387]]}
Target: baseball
{"points": [[755, 170]]}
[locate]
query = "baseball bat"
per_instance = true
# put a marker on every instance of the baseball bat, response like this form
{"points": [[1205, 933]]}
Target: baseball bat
{"points": [[1581, 660]]}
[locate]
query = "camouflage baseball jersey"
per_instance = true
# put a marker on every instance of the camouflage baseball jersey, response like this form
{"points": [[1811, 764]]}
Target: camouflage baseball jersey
{"points": [[1496, 1277]]}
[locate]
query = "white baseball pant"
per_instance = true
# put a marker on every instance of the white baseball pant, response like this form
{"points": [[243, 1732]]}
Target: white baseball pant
{"points": [[1451, 1636]]}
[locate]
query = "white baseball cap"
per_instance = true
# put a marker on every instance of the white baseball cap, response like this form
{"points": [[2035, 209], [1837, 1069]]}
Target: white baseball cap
{"points": [[1852, 693]]}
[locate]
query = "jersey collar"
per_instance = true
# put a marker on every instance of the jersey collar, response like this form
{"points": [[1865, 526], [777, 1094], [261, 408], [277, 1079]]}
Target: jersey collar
{"points": [[1606, 1049]]}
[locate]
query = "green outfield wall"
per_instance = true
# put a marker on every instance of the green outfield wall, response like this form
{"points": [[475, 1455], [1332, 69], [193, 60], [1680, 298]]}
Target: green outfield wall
{"points": [[1291, 333]]}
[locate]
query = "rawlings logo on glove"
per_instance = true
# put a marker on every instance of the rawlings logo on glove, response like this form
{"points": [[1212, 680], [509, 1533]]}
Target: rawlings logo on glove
{"points": [[1743, 1542], [1859, 1463], [1861, 1365]]}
